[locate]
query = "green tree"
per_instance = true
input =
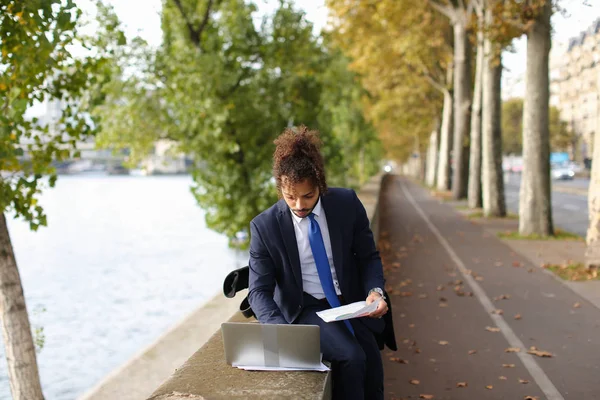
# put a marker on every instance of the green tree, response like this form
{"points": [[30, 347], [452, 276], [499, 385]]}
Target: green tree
{"points": [[222, 90], [561, 137], [37, 66]]}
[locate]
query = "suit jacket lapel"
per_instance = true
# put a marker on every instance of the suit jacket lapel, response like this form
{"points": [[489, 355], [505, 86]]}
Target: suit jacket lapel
{"points": [[335, 235], [286, 226]]}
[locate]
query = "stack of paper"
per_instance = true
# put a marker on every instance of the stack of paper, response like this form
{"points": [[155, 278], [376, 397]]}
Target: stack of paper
{"points": [[353, 310]]}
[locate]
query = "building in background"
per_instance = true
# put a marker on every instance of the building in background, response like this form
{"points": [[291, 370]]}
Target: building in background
{"points": [[574, 88]]}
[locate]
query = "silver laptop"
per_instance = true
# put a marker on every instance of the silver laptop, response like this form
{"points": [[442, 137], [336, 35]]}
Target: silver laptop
{"points": [[270, 345]]}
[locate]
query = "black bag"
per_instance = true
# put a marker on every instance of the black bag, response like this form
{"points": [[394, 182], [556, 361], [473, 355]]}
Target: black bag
{"points": [[234, 282]]}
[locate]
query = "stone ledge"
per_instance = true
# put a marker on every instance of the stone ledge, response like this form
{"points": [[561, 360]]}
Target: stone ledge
{"points": [[206, 375]]}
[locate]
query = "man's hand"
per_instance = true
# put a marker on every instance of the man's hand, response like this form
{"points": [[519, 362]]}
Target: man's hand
{"points": [[382, 307]]}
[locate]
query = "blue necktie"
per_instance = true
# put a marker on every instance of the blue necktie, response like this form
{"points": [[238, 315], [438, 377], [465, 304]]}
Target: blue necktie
{"points": [[320, 255]]}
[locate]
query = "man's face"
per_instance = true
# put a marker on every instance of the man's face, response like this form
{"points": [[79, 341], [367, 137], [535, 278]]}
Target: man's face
{"points": [[301, 197]]}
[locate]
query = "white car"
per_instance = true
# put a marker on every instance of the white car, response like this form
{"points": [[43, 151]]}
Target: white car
{"points": [[562, 172]]}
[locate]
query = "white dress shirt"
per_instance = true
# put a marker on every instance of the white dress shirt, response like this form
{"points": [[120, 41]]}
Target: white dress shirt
{"points": [[310, 277]]}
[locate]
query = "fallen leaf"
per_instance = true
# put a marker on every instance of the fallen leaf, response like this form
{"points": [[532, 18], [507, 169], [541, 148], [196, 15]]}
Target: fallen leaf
{"points": [[411, 325], [432, 360], [443, 342], [502, 378], [498, 311], [533, 350], [489, 387], [518, 316], [405, 294], [414, 381], [471, 352], [440, 288], [576, 305], [422, 296], [443, 304], [461, 384], [531, 398], [479, 278], [512, 350], [502, 297], [516, 264], [508, 365], [443, 299], [426, 396], [523, 381], [398, 360], [418, 351], [490, 329]]}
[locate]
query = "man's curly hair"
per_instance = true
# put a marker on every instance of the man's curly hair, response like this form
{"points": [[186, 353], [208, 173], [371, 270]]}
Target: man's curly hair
{"points": [[297, 157]]}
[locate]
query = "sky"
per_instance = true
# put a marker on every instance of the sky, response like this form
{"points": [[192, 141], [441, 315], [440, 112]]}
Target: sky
{"points": [[142, 17]]}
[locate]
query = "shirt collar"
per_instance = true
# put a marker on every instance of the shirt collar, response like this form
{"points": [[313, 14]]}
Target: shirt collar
{"points": [[317, 211]]}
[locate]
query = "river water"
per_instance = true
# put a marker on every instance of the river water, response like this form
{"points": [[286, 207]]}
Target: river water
{"points": [[123, 259]]}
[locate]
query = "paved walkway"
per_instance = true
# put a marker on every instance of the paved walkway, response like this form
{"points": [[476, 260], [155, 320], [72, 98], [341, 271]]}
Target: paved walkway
{"points": [[468, 308]]}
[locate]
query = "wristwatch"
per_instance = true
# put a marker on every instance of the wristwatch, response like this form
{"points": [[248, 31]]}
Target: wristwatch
{"points": [[378, 291]]}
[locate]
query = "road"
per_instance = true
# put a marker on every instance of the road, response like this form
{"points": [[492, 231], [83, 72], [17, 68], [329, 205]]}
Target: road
{"points": [[570, 211]]}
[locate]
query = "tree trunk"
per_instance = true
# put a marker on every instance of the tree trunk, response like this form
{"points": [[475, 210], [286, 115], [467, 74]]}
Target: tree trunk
{"points": [[462, 110], [432, 156], [18, 341], [443, 169], [475, 194], [493, 179], [592, 252], [535, 206]]}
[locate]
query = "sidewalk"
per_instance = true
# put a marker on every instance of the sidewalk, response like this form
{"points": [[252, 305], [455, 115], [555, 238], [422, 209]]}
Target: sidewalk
{"points": [[464, 301]]}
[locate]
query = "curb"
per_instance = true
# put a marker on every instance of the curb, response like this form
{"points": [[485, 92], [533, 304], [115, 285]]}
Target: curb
{"points": [[562, 189]]}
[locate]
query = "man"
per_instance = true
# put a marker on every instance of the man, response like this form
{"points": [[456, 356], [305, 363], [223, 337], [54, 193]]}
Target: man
{"points": [[314, 250]]}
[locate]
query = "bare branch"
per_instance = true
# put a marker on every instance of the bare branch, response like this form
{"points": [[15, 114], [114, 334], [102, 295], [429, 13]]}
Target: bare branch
{"points": [[206, 16], [442, 8], [461, 5], [194, 35]]}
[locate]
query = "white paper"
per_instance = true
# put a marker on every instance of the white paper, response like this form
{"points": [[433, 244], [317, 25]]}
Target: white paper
{"points": [[349, 311], [320, 368]]}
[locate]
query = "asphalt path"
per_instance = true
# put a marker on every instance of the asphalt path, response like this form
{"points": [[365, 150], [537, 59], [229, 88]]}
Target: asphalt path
{"points": [[474, 319]]}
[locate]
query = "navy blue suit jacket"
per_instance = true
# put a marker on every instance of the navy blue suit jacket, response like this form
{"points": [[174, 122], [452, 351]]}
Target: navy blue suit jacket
{"points": [[275, 281]]}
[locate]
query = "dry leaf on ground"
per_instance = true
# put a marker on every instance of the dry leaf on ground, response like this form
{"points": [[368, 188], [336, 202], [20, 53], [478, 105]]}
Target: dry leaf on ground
{"points": [[461, 384], [540, 353], [489, 387], [490, 329], [502, 297], [576, 305], [426, 396], [498, 311], [422, 296], [512, 350], [414, 381], [531, 398], [399, 360], [502, 378], [471, 352], [518, 316], [443, 304], [508, 365], [443, 342], [523, 381]]}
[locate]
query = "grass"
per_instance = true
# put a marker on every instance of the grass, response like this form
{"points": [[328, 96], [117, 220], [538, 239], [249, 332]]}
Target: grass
{"points": [[574, 272], [444, 195], [559, 234], [479, 214]]}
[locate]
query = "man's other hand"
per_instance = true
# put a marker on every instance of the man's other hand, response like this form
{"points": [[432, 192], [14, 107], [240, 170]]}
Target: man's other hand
{"points": [[382, 307]]}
